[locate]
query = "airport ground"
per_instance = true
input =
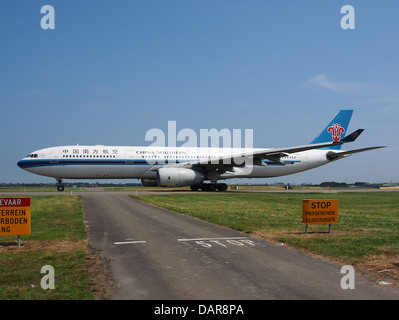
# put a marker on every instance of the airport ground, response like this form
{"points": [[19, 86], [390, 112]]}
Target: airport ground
{"points": [[164, 255]]}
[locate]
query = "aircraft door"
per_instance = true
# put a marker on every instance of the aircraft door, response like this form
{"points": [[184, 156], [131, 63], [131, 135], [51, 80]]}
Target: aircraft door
{"points": [[129, 157], [53, 169], [54, 157], [128, 166]]}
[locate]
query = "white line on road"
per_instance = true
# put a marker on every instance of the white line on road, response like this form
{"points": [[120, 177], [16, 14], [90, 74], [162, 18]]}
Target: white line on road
{"points": [[129, 242], [209, 239]]}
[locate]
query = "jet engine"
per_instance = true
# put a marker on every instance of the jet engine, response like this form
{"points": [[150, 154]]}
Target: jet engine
{"points": [[178, 177]]}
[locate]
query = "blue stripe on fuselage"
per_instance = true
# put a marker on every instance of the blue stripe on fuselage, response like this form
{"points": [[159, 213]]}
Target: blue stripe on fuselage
{"points": [[66, 162]]}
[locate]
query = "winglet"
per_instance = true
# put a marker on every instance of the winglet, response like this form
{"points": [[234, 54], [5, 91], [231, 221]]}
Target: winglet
{"points": [[352, 137]]}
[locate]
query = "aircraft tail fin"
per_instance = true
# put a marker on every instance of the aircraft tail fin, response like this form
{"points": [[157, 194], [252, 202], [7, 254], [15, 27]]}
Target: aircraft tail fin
{"points": [[336, 128]]}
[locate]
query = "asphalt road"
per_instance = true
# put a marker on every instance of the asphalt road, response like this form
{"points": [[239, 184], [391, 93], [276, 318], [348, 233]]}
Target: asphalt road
{"points": [[158, 254]]}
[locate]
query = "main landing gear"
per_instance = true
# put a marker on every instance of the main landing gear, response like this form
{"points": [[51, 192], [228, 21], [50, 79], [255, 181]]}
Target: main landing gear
{"points": [[209, 187], [60, 187]]}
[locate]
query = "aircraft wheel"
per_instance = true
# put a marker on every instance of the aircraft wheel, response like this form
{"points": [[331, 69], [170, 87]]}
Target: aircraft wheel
{"points": [[194, 187], [212, 186], [60, 188], [222, 187]]}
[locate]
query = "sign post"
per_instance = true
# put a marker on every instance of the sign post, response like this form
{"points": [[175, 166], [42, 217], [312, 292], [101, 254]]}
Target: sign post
{"points": [[15, 217], [319, 212]]}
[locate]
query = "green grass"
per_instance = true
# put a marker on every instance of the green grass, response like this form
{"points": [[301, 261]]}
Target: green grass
{"points": [[368, 222], [58, 238]]}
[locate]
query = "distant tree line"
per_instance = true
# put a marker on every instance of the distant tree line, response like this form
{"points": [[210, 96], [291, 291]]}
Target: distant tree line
{"points": [[334, 184], [331, 184], [70, 184]]}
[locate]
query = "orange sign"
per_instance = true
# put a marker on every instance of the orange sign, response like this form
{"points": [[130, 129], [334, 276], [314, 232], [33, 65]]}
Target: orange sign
{"points": [[320, 211], [15, 218]]}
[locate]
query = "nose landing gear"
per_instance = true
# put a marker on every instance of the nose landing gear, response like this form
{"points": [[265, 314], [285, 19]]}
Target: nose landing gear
{"points": [[60, 187]]}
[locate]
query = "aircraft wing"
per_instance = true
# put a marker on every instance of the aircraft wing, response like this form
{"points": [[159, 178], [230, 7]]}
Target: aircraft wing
{"points": [[274, 154], [227, 163]]}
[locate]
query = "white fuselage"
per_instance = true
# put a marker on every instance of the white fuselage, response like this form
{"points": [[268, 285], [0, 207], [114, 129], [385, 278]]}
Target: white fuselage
{"points": [[119, 162]]}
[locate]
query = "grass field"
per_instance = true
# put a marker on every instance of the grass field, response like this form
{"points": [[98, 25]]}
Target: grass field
{"points": [[58, 238], [366, 235]]}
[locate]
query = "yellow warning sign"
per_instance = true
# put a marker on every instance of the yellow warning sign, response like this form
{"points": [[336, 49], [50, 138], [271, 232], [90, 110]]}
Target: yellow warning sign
{"points": [[320, 212], [15, 217]]}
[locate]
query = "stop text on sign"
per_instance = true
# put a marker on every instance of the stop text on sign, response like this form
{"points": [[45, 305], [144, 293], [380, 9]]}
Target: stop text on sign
{"points": [[15, 216], [320, 211]]}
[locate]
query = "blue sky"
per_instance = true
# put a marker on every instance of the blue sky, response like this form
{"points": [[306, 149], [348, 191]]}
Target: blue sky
{"points": [[112, 70]]}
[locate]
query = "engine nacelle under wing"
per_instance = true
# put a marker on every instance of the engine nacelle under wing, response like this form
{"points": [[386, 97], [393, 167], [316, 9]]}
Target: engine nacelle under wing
{"points": [[178, 177]]}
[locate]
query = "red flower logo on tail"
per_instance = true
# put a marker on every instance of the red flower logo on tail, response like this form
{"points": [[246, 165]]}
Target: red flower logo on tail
{"points": [[336, 131]]}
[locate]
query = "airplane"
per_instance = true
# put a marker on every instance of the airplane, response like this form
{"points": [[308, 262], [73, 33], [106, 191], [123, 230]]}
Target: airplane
{"points": [[190, 166]]}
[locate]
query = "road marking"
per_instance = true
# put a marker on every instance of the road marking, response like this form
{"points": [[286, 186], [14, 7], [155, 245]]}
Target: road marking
{"points": [[224, 242], [209, 239], [129, 242]]}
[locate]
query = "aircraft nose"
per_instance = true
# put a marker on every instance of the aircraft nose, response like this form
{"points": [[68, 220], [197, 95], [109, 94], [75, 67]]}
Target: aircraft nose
{"points": [[20, 164]]}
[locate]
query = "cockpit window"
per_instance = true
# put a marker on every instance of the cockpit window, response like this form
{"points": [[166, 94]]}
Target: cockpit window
{"points": [[32, 155]]}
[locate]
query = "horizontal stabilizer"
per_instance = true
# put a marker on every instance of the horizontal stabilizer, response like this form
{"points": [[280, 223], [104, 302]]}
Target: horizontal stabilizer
{"points": [[353, 136], [335, 155]]}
